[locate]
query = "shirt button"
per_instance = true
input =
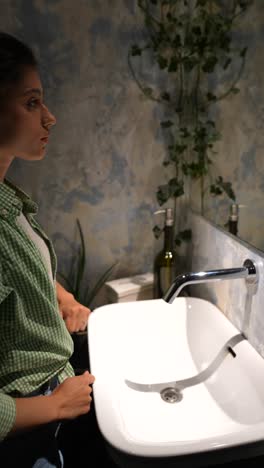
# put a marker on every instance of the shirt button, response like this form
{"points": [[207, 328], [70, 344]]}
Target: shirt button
{"points": [[4, 212]]}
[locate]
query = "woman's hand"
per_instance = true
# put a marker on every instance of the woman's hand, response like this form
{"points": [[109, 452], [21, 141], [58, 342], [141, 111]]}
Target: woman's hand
{"points": [[73, 313], [72, 398]]}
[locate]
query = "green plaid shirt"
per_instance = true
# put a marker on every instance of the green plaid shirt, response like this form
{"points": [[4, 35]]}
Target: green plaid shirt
{"points": [[34, 342]]}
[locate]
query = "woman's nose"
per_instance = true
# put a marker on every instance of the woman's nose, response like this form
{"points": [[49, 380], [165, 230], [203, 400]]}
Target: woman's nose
{"points": [[48, 119]]}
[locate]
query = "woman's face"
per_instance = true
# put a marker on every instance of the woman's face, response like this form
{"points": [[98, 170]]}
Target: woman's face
{"points": [[26, 120]]}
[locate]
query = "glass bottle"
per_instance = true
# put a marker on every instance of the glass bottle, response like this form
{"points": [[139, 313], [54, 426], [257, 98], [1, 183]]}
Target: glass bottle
{"points": [[233, 219], [165, 260]]}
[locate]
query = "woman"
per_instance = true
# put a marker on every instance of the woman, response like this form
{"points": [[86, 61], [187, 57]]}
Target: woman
{"points": [[38, 388]]}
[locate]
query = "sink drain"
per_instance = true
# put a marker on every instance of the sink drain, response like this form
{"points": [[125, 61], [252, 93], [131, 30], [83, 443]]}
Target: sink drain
{"points": [[171, 395]]}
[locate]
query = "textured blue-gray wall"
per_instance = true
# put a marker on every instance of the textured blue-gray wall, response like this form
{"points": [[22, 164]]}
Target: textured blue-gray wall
{"points": [[103, 160], [240, 157], [242, 151], [214, 248], [103, 164]]}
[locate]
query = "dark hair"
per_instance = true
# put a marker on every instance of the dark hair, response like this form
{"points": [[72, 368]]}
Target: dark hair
{"points": [[15, 56]]}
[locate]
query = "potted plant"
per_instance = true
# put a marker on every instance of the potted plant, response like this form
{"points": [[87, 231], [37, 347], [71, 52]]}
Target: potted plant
{"points": [[74, 283], [191, 45], [74, 280]]}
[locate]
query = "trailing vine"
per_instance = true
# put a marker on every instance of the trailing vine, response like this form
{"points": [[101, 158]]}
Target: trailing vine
{"points": [[190, 43]]}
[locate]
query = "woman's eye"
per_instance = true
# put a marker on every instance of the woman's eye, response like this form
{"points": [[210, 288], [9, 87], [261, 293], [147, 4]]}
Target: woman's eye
{"points": [[32, 103]]}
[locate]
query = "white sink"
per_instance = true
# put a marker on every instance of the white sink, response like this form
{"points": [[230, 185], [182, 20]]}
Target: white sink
{"points": [[135, 345]]}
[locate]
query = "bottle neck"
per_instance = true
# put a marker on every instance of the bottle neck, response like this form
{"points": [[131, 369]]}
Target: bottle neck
{"points": [[168, 238], [233, 227]]}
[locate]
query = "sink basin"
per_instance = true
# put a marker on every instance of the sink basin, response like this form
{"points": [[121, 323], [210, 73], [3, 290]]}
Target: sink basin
{"points": [[134, 346]]}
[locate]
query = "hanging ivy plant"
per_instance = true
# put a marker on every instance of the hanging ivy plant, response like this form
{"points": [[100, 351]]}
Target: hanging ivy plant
{"points": [[191, 43]]}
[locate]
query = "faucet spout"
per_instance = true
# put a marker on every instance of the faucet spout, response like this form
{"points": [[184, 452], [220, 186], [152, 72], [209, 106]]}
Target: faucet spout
{"points": [[247, 271]]}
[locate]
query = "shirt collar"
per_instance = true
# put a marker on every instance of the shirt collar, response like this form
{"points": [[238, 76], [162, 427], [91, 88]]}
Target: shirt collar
{"points": [[13, 201]]}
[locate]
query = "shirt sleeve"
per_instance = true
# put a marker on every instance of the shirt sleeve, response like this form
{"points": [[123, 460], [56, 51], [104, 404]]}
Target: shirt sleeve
{"points": [[7, 403], [7, 414], [4, 290]]}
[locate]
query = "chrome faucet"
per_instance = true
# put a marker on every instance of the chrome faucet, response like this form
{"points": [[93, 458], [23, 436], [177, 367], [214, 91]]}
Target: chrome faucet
{"points": [[247, 271]]}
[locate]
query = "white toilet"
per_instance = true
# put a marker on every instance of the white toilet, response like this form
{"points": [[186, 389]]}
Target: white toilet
{"points": [[134, 288]]}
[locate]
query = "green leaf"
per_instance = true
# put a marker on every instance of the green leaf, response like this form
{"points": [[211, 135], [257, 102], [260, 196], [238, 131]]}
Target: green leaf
{"points": [[148, 91], [189, 64], [243, 52], [186, 234], [184, 132], [235, 90], [200, 3], [210, 96], [210, 63], [227, 63], [197, 30], [163, 194], [81, 260], [165, 96], [176, 187], [135, 50], [173, 66], [166, 124], [226, 187], [177, 241], [195, 169], [211, 123], [100, 283], [169, 17], [162, 61], [179, 149], [157, 231], [177, 43], [245, 3], [215, 190], [183, 236]]}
